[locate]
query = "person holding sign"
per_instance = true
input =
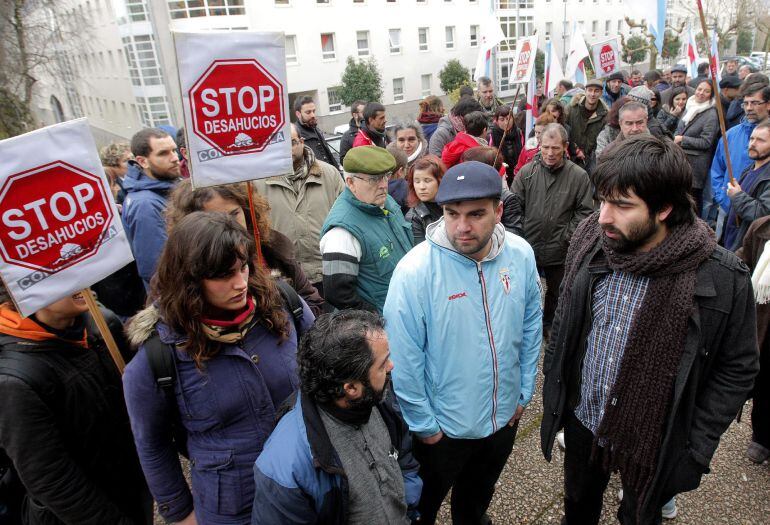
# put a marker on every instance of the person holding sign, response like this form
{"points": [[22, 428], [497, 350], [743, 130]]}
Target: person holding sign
{"points": [[231, 343], [64, 430]]}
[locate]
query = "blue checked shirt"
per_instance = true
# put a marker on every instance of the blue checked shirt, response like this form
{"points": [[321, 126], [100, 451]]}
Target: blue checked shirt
{"points": [[616, 298]]}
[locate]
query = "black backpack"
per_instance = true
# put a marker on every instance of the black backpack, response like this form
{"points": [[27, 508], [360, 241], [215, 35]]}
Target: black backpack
{"points": [[162, 360], [38, 376]]}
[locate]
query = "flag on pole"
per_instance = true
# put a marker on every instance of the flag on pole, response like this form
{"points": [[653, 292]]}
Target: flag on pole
{"points": [[552, 70], [714, 65], [654, 11], [578, 50], [490, 35], [531, 87], [693, 59]]}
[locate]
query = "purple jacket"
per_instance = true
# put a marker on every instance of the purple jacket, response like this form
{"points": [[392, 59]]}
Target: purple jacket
{"points": [[228, 411]]}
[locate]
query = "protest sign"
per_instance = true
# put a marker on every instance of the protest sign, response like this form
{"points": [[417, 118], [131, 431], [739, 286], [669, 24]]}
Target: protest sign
{"points": [[235, 105], [60, 230], [606, 57], [524, 60]]}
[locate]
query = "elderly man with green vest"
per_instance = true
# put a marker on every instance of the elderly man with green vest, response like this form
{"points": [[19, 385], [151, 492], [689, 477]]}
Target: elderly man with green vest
{"points": [[365, 234]]}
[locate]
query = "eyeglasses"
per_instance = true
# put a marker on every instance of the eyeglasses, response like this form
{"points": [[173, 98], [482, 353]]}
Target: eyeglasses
{"points": [[373, 180], [752, 103]]}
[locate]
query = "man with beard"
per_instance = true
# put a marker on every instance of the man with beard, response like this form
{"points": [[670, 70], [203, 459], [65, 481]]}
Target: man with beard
{"points": [[614, 88], [489, 102], [465, 326], [300, 202], [342, 454], [678, 78], [372, 132], [307, 125], [364, 235], [755, 104], [357, 116], [653, 348], [750, 193], [148, 183]]}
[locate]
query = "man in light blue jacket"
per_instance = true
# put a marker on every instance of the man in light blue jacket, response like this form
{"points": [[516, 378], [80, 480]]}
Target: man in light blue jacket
{"points": [[464, 320]]}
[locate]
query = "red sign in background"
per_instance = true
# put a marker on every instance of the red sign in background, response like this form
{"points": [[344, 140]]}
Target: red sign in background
{"points": [[52, 216], [523, 63], [236, 106], [607, 58]]}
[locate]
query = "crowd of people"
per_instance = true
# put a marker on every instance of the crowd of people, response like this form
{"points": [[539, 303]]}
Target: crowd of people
{"points": [[365, 336]]}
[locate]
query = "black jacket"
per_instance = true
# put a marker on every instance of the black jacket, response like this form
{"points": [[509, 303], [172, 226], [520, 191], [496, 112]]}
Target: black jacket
{"points": [[752, 203], [511, 148], [346, 142], [421, 216], [314, 139], [69, 439], [715, 375]]}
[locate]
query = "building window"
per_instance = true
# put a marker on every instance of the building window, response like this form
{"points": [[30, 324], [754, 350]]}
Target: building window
{"points": [[327, 46], [398, 89], [394, 38], [143, 66], [515, 4], [508, 25], [198, 8], [594, 27], [153, 111], [422, 38], [281, 2], [335, 102], [620, 25], [474, 36], [362, 40], [291, 49], [137, 10], [548, 29], [449, 32], [425, 82], [606, 28], [323, 1]]}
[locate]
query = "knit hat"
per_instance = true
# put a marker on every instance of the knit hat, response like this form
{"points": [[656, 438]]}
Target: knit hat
{"points": [[640, 94], [469, 181], [594, 82], [617, 75], [730, 81], [369, 160]]}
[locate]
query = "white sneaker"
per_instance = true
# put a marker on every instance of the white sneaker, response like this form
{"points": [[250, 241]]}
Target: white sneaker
{"points": [[668, 510], [560, 439]]}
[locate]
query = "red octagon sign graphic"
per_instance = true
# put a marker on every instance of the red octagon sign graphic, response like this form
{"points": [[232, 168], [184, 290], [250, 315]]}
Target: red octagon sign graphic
{"points": [[607, 58], [523, 65], [52, 217], [236, 106]]}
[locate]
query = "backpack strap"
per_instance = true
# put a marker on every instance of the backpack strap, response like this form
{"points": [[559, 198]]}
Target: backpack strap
{"points": [[37, 374], [293, 303], [161, 359]]}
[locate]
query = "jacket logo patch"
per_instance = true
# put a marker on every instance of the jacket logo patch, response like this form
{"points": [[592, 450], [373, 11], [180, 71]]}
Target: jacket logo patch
{"points": [[457, 296], [505, 280], [384, 252]]}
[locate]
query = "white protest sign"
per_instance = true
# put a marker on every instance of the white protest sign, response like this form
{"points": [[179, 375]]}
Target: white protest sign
{"points": [[524, 60], [60, 230], [606, 57], [235, 105]]}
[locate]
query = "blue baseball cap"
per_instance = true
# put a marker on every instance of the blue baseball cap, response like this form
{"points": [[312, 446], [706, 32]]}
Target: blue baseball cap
{"points": [[469, 181]]}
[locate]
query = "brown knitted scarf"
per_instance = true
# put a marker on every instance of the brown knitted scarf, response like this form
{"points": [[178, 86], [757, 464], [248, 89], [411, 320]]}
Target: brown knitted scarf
{"points": [[634, 418]]}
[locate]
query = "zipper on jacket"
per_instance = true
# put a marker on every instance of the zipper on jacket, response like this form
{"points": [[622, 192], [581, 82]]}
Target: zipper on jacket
{"points": [[487, 318]]}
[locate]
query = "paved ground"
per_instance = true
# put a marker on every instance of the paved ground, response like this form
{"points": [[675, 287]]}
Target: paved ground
{"points": [[737, 492]]}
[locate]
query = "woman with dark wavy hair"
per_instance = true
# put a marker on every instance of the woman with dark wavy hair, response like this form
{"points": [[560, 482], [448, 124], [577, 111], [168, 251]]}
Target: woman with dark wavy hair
{"points": [[221, 321], [277, 249]]}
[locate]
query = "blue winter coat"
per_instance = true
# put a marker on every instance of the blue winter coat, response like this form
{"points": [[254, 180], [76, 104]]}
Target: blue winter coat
{"points": [[228, 411], [738, 142], [464, 335], [143, 218], [299, 476], [608, 98]]}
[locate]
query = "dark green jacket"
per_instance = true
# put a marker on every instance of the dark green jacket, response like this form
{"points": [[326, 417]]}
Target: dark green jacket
{"points": [[585, 126], [384, 235]]}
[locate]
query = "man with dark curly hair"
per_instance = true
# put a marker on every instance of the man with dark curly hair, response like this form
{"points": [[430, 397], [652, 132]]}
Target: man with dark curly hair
{"points": [[342, 453]]}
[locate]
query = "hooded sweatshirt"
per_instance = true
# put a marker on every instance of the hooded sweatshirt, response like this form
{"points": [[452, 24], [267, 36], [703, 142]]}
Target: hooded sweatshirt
{"points": [[465, 382], [143, 218], [454, 150]]}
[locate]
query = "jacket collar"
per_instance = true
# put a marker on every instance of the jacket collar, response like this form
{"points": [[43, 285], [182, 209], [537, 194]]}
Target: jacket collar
{"points": [[369, 209]]}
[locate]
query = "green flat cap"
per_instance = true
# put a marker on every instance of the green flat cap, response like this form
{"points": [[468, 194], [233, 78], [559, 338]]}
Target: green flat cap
{"points": [[369, 160]]}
